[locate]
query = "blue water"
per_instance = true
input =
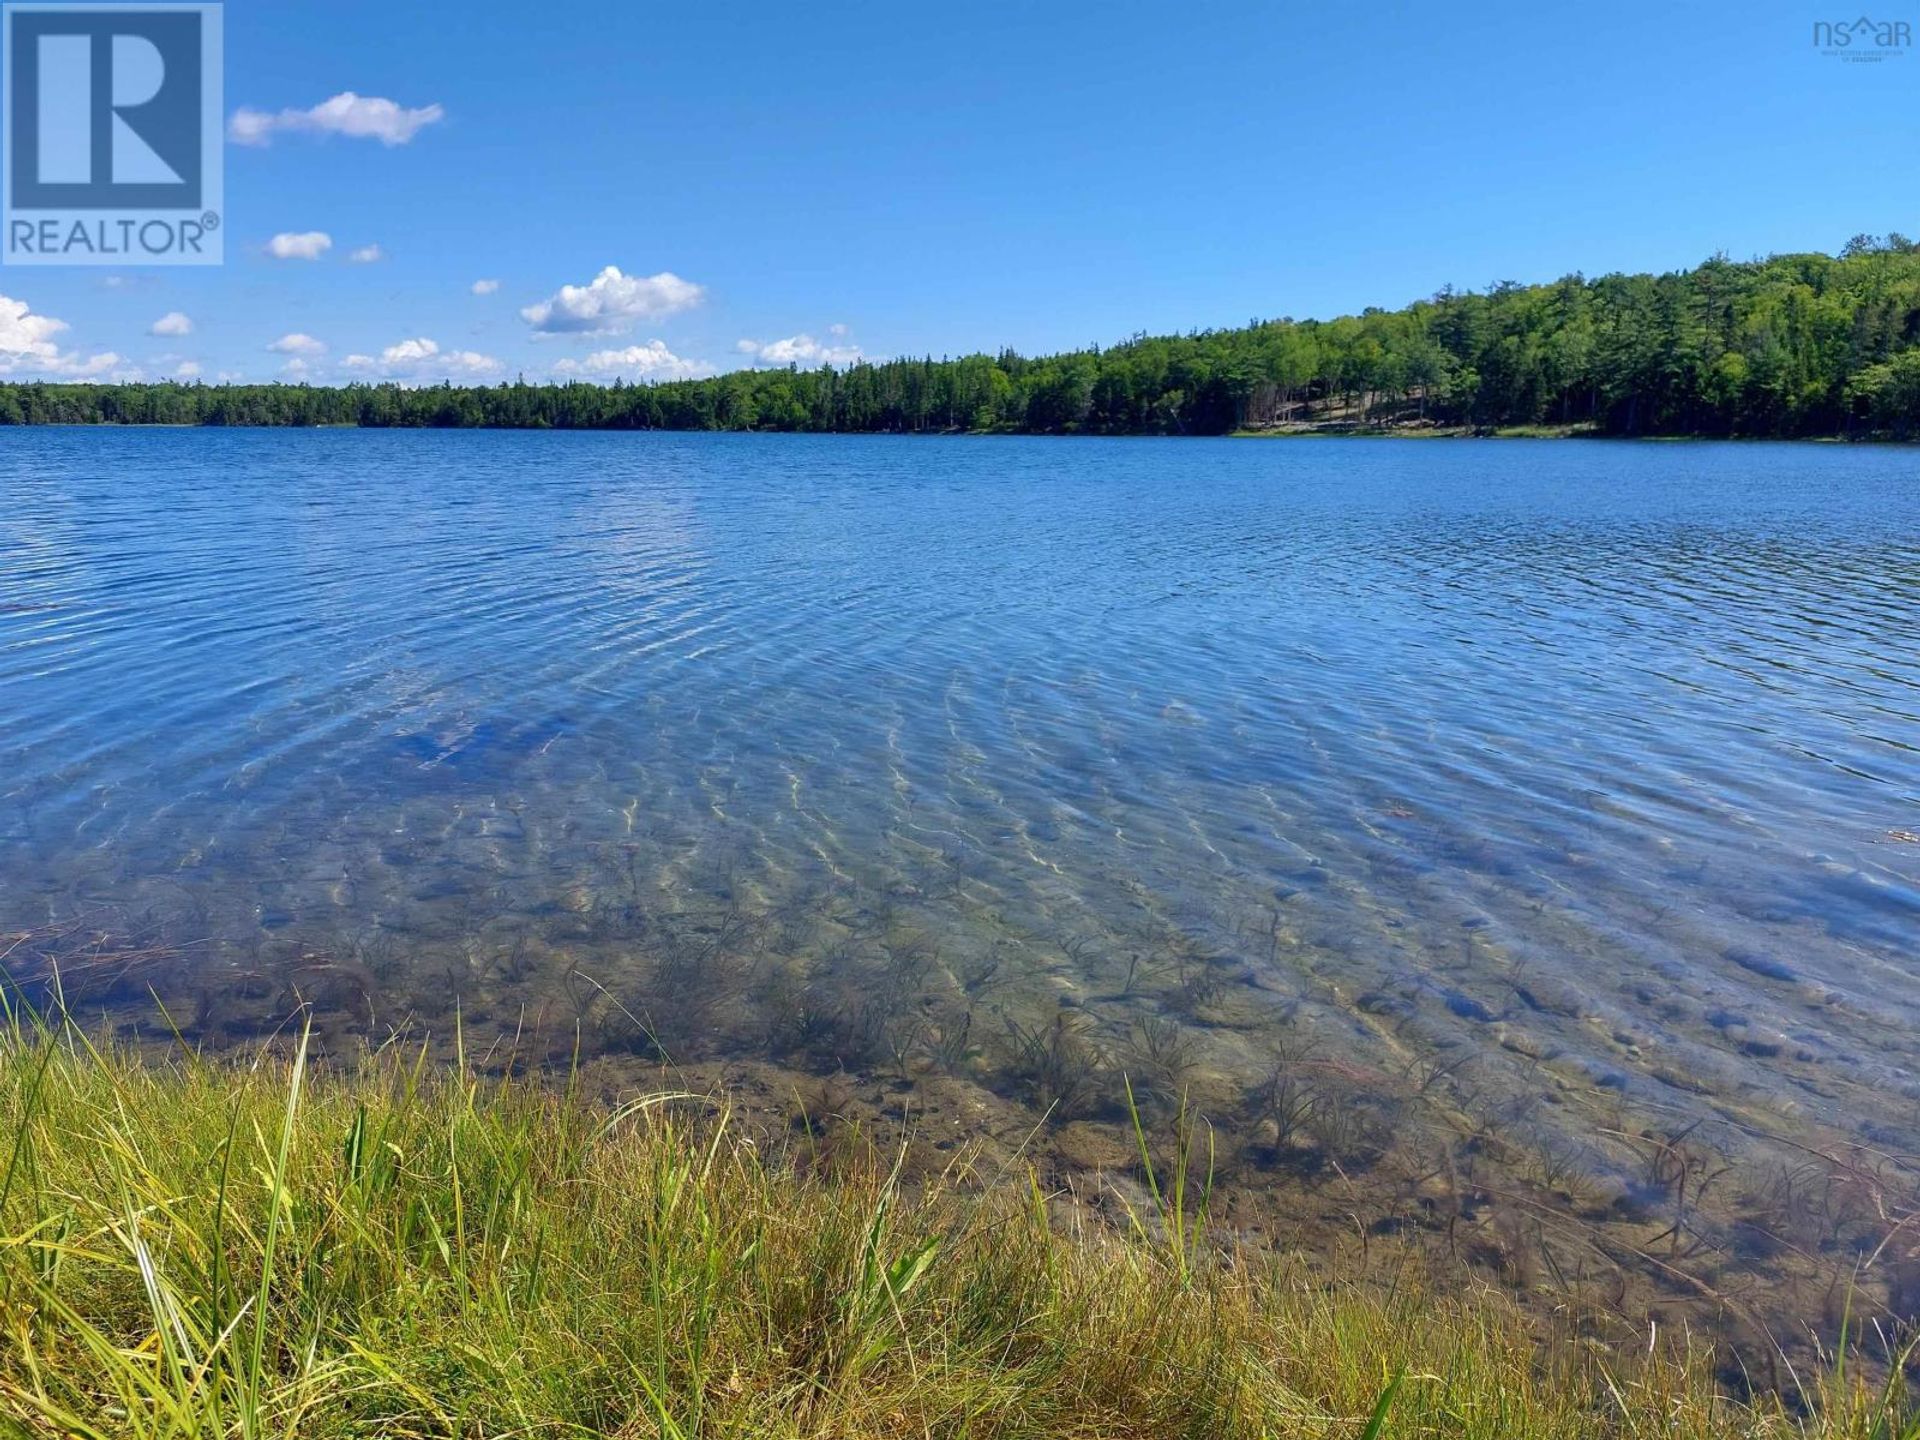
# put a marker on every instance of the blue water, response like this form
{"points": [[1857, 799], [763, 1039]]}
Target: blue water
{"points": [[1588, 759]]}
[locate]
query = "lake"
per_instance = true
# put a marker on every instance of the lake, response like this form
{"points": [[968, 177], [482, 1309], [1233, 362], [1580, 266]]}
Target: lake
{"points": [[1564, 795]]}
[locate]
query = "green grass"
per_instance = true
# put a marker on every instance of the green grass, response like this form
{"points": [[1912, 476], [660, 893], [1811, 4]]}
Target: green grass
{"points": [[271, 1248]]}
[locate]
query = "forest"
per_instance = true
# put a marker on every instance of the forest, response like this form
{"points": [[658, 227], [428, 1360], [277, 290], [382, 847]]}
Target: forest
{"points": [[1788, 346]]}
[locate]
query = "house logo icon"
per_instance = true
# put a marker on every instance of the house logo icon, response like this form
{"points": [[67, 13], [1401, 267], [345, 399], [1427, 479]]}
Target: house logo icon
{"points": [[112, 150], [1862, 39]]}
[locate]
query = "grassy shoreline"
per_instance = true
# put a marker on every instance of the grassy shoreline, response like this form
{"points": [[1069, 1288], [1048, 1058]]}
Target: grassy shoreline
{"points": [[258, 1247]]}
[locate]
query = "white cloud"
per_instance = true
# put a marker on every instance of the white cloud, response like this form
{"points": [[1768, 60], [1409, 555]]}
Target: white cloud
{"points": [[187, 370], [651, 361], [422, 358], [485, 287], [802, 350], [358, 117], [307, 245], [296, 369], [409, 352], [357, 362], [109, 369], [611, 303], [24, 336], [470, 363], [367, 255], [27, 344], [836, 329], [171, 323], [298, 344]]}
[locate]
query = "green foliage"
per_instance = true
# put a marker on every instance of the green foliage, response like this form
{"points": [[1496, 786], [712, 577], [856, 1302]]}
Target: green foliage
{"points": [[1792, 345], [1889, 393]]}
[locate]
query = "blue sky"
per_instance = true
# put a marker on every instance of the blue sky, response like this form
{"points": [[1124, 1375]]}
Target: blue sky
{"points": [[886, 179]]}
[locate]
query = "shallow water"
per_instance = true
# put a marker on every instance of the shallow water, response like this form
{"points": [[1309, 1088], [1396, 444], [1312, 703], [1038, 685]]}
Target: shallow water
{"points": [[1591, 762]]}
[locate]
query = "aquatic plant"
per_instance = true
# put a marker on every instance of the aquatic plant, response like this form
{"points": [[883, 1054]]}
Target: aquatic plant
{"points": [[1058, 1063]]}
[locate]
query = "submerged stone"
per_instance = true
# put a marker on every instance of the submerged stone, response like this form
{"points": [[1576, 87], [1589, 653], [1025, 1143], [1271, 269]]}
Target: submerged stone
{"points": [[1763, 965]]}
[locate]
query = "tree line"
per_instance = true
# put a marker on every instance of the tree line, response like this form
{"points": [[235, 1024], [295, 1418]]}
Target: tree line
{"points": [[1791, 345]]}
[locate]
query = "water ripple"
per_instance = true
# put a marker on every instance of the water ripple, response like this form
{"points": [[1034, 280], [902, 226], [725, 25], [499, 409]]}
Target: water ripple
{"points": [[1448, 724]]}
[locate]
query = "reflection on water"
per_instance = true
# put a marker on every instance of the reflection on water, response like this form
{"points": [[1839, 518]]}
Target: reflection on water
{"points": [[1493, 776]]}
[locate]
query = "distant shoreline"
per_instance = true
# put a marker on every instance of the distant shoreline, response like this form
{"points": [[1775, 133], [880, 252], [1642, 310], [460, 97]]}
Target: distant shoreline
{"points": [[1326, 431], [1806, 346], [1538, 432]]}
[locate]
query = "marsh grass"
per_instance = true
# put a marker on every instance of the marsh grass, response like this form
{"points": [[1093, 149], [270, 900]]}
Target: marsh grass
{"points": [[270, 1247]]}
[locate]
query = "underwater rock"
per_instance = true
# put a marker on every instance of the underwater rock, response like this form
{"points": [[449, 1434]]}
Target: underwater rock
{"points": [[1522, 1043], [1763, 965], [1468, 1008], [1548, 999], [1380, 1002]]}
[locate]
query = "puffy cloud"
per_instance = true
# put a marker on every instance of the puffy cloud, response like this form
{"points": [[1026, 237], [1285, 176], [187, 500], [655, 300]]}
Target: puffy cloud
{"points": [[187, 370], [651, 361], [470, 363], [25, 336], [106, 360], [171, 323], [296, 369], [367, 255], [298, 344], [409, 352], [307, 245], [611, 302], [802, 350], [485, 287], [358, 117], [421, 358], [27, 344]]}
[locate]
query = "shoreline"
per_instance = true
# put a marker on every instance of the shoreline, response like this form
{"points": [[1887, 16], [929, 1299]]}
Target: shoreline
{"points": [[1342, 431], [274, 1244], [1336, 430]]}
